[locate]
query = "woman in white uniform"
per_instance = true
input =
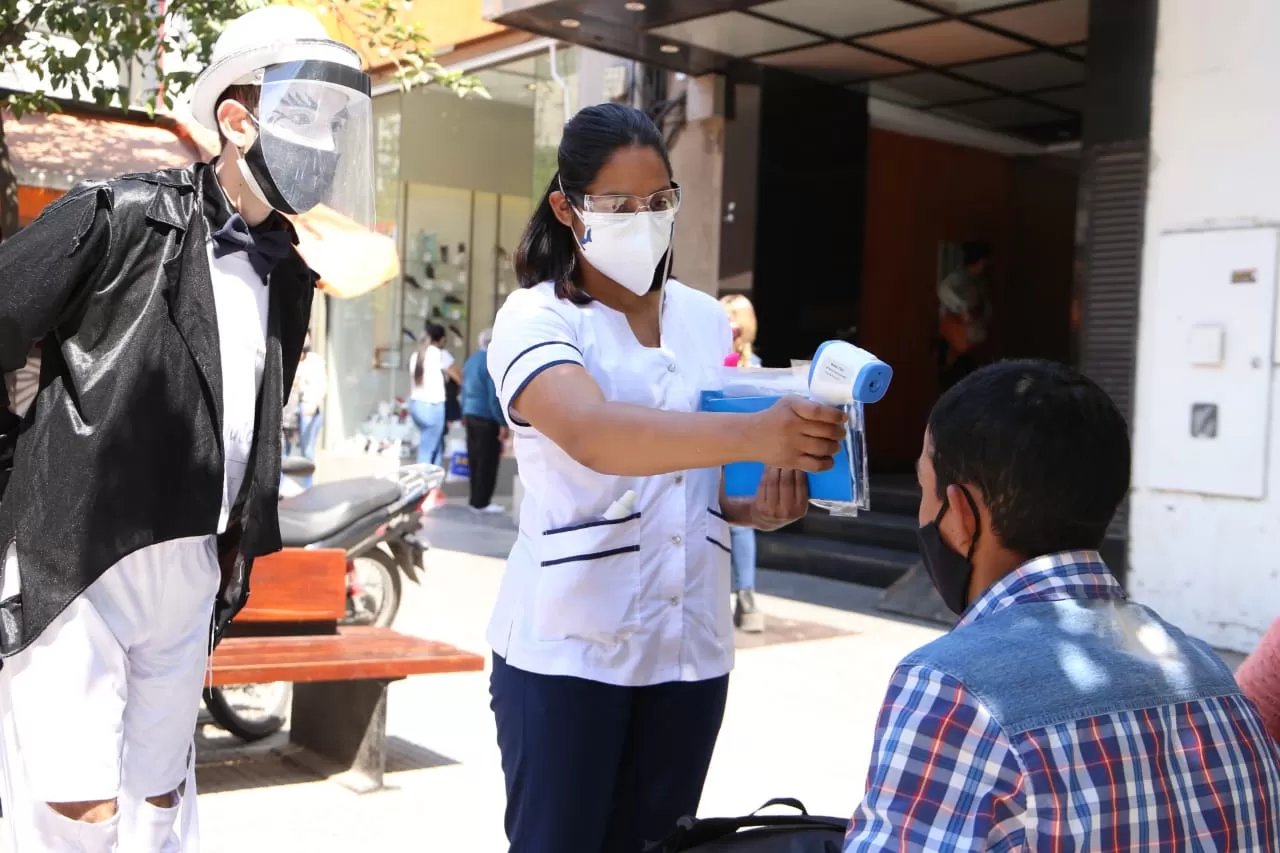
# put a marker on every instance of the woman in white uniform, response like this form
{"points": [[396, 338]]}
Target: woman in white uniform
{"points": [[612, 634]]}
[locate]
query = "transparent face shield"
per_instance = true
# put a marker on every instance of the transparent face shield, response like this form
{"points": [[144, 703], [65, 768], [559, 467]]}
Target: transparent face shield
{"points": [[315, 139]]}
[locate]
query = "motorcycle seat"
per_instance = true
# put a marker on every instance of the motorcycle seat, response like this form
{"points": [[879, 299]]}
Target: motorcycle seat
{"points": [[324, 510], [297, 466]]}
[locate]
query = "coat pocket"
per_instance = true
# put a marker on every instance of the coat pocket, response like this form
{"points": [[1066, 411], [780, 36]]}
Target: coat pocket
{"points": [[720, 565], [589, 581]]}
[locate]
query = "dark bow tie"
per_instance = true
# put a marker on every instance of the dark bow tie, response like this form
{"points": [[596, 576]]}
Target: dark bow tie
{"points": [[263, 249]]}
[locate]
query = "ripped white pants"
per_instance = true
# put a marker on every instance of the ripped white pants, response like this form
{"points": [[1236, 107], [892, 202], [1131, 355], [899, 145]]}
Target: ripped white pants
{"points": [[103, 707]]}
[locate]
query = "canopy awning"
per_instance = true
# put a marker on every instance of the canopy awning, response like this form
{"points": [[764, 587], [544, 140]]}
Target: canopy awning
{"points": [[56, 151]]}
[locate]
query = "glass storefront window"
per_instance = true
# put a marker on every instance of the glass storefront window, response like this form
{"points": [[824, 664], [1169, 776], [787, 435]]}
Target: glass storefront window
{"points": [[360, 331], [553, 106], [455, 185]]}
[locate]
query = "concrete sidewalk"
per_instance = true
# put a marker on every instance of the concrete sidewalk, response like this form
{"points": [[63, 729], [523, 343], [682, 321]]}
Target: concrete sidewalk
{"points": [[799, 723]]}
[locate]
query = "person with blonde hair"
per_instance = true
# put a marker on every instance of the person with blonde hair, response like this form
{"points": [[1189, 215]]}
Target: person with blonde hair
{"points": [[746, 615]]}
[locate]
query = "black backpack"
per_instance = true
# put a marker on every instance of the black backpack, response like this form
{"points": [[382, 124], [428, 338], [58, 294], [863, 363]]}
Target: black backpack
{"points": [[757, 833]]}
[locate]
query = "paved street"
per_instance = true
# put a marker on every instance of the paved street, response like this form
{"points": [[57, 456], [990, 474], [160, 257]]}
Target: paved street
{"points": [[799, 723]]}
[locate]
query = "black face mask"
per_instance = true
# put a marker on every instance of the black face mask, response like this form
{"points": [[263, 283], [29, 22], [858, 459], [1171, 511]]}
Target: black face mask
{"points": [[949, 570], [320, 167]]}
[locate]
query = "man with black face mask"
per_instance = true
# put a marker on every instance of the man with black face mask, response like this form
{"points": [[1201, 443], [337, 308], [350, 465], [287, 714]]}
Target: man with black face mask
{"points": [[142, 482], [1058, 714]]}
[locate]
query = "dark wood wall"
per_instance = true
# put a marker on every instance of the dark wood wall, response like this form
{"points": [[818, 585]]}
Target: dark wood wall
{"points": [[920, 193]]}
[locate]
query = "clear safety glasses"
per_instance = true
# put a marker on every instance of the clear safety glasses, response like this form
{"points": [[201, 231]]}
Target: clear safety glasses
{"points": [[663, 201]]}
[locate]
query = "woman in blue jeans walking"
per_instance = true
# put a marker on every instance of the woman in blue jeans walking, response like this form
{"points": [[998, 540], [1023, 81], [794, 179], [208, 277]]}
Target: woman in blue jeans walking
{"points": [[748, 618], [428, 367]]}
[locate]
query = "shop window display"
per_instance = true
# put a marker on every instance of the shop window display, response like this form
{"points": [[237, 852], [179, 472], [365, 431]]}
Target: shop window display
{"points": [[457, 226]]}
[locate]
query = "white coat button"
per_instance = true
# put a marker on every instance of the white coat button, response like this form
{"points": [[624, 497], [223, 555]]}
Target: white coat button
{"points": [[679, 479], [671, 368], [675, 601], [676, 540]]}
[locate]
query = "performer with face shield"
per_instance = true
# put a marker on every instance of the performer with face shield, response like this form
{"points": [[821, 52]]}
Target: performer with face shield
{"points": [[142, 483]]}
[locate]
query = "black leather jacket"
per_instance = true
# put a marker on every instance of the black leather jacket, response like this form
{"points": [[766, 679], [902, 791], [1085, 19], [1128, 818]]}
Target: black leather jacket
{"points": [[122, 447]]}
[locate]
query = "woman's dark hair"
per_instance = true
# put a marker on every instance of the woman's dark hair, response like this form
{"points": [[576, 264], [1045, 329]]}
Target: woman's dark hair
{"points": [[547, 251], [432, 333]]}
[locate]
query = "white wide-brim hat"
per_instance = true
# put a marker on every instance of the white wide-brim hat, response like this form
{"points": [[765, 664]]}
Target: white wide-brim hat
{"points": [[272, 35]]}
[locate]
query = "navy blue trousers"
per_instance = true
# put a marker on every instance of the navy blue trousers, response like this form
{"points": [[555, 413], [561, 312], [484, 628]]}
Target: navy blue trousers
{"points": [[594, 768]]}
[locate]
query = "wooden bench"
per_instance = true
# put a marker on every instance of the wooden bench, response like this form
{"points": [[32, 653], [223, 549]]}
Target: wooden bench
{"points": [[289, 631]]}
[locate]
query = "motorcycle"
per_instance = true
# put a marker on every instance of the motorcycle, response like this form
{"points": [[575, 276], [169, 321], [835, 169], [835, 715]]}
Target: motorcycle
{"points": [[377, 522]]}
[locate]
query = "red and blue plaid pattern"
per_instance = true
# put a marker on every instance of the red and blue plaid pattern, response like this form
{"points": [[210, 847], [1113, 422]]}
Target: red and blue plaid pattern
{"points": [[1193, 776]]}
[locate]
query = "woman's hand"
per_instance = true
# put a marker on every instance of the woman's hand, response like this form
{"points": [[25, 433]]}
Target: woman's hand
{"points": [[796, 435], [783, 497]]}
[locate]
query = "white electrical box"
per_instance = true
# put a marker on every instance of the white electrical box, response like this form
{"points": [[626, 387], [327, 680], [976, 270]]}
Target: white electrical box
{"points": [[1209, 404]]}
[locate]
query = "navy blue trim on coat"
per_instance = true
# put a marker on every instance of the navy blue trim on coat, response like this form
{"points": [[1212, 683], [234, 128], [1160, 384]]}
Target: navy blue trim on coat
{"points": [[599, 555]]}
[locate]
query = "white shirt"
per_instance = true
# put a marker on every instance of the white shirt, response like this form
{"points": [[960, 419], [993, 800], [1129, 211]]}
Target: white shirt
{"points": [[639, 601], [23, 384], [240, 298], [309, 384], [434, 363]]}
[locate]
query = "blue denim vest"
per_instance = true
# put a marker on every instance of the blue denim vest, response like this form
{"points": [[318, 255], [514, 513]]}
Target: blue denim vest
{"points": [[1127, 731], [1038, 664]]}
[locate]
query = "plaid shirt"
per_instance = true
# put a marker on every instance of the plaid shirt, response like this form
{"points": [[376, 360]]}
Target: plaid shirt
{"points": [[1198, 775]]}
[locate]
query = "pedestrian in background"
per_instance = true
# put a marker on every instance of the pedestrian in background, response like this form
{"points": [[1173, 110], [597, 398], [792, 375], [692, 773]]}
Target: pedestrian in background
{"points": [[746, 615], [427, 366], [304, 413], [486, 428], [964, 315]]}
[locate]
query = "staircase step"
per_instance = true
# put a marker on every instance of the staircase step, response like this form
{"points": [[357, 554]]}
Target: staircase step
{"points": [[895, 497], [822, 557], [881, 529]]}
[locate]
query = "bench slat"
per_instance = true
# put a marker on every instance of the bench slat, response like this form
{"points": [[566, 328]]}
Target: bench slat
{"points": [[356, 652], [296, 585], [346, 635]]}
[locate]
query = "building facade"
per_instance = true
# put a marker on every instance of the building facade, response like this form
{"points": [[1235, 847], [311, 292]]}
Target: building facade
{"points": [[1205, 521], [1118, 158]]}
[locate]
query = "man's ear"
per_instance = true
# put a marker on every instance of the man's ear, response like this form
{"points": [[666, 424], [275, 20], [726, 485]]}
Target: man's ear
{"points": [[236, 124], [561, 207], [960, 525]]}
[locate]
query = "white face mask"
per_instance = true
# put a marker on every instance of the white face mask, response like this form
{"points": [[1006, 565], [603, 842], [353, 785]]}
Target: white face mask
{"points": [[626, 246]]}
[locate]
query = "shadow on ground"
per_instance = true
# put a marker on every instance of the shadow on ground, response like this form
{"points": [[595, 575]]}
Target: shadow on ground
{"points": [[224, 763], [457, 527]]}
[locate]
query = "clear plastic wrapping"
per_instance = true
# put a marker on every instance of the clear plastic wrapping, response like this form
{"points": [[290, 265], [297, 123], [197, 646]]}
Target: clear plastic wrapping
{"points": [[765, 381], [842, 491], [860, 486]]}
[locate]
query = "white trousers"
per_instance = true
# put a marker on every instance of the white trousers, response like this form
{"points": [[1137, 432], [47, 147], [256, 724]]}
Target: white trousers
{"points": [[103, 707]]}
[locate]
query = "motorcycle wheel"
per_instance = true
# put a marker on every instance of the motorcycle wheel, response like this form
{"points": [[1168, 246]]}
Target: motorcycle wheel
{"points": [[376, 599], [261, 718]]}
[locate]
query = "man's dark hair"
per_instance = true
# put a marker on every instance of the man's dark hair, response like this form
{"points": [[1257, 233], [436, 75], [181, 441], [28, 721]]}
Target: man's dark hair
{"points": [[547, 251], [247, 94], [975, 252], [1046, 446]]}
